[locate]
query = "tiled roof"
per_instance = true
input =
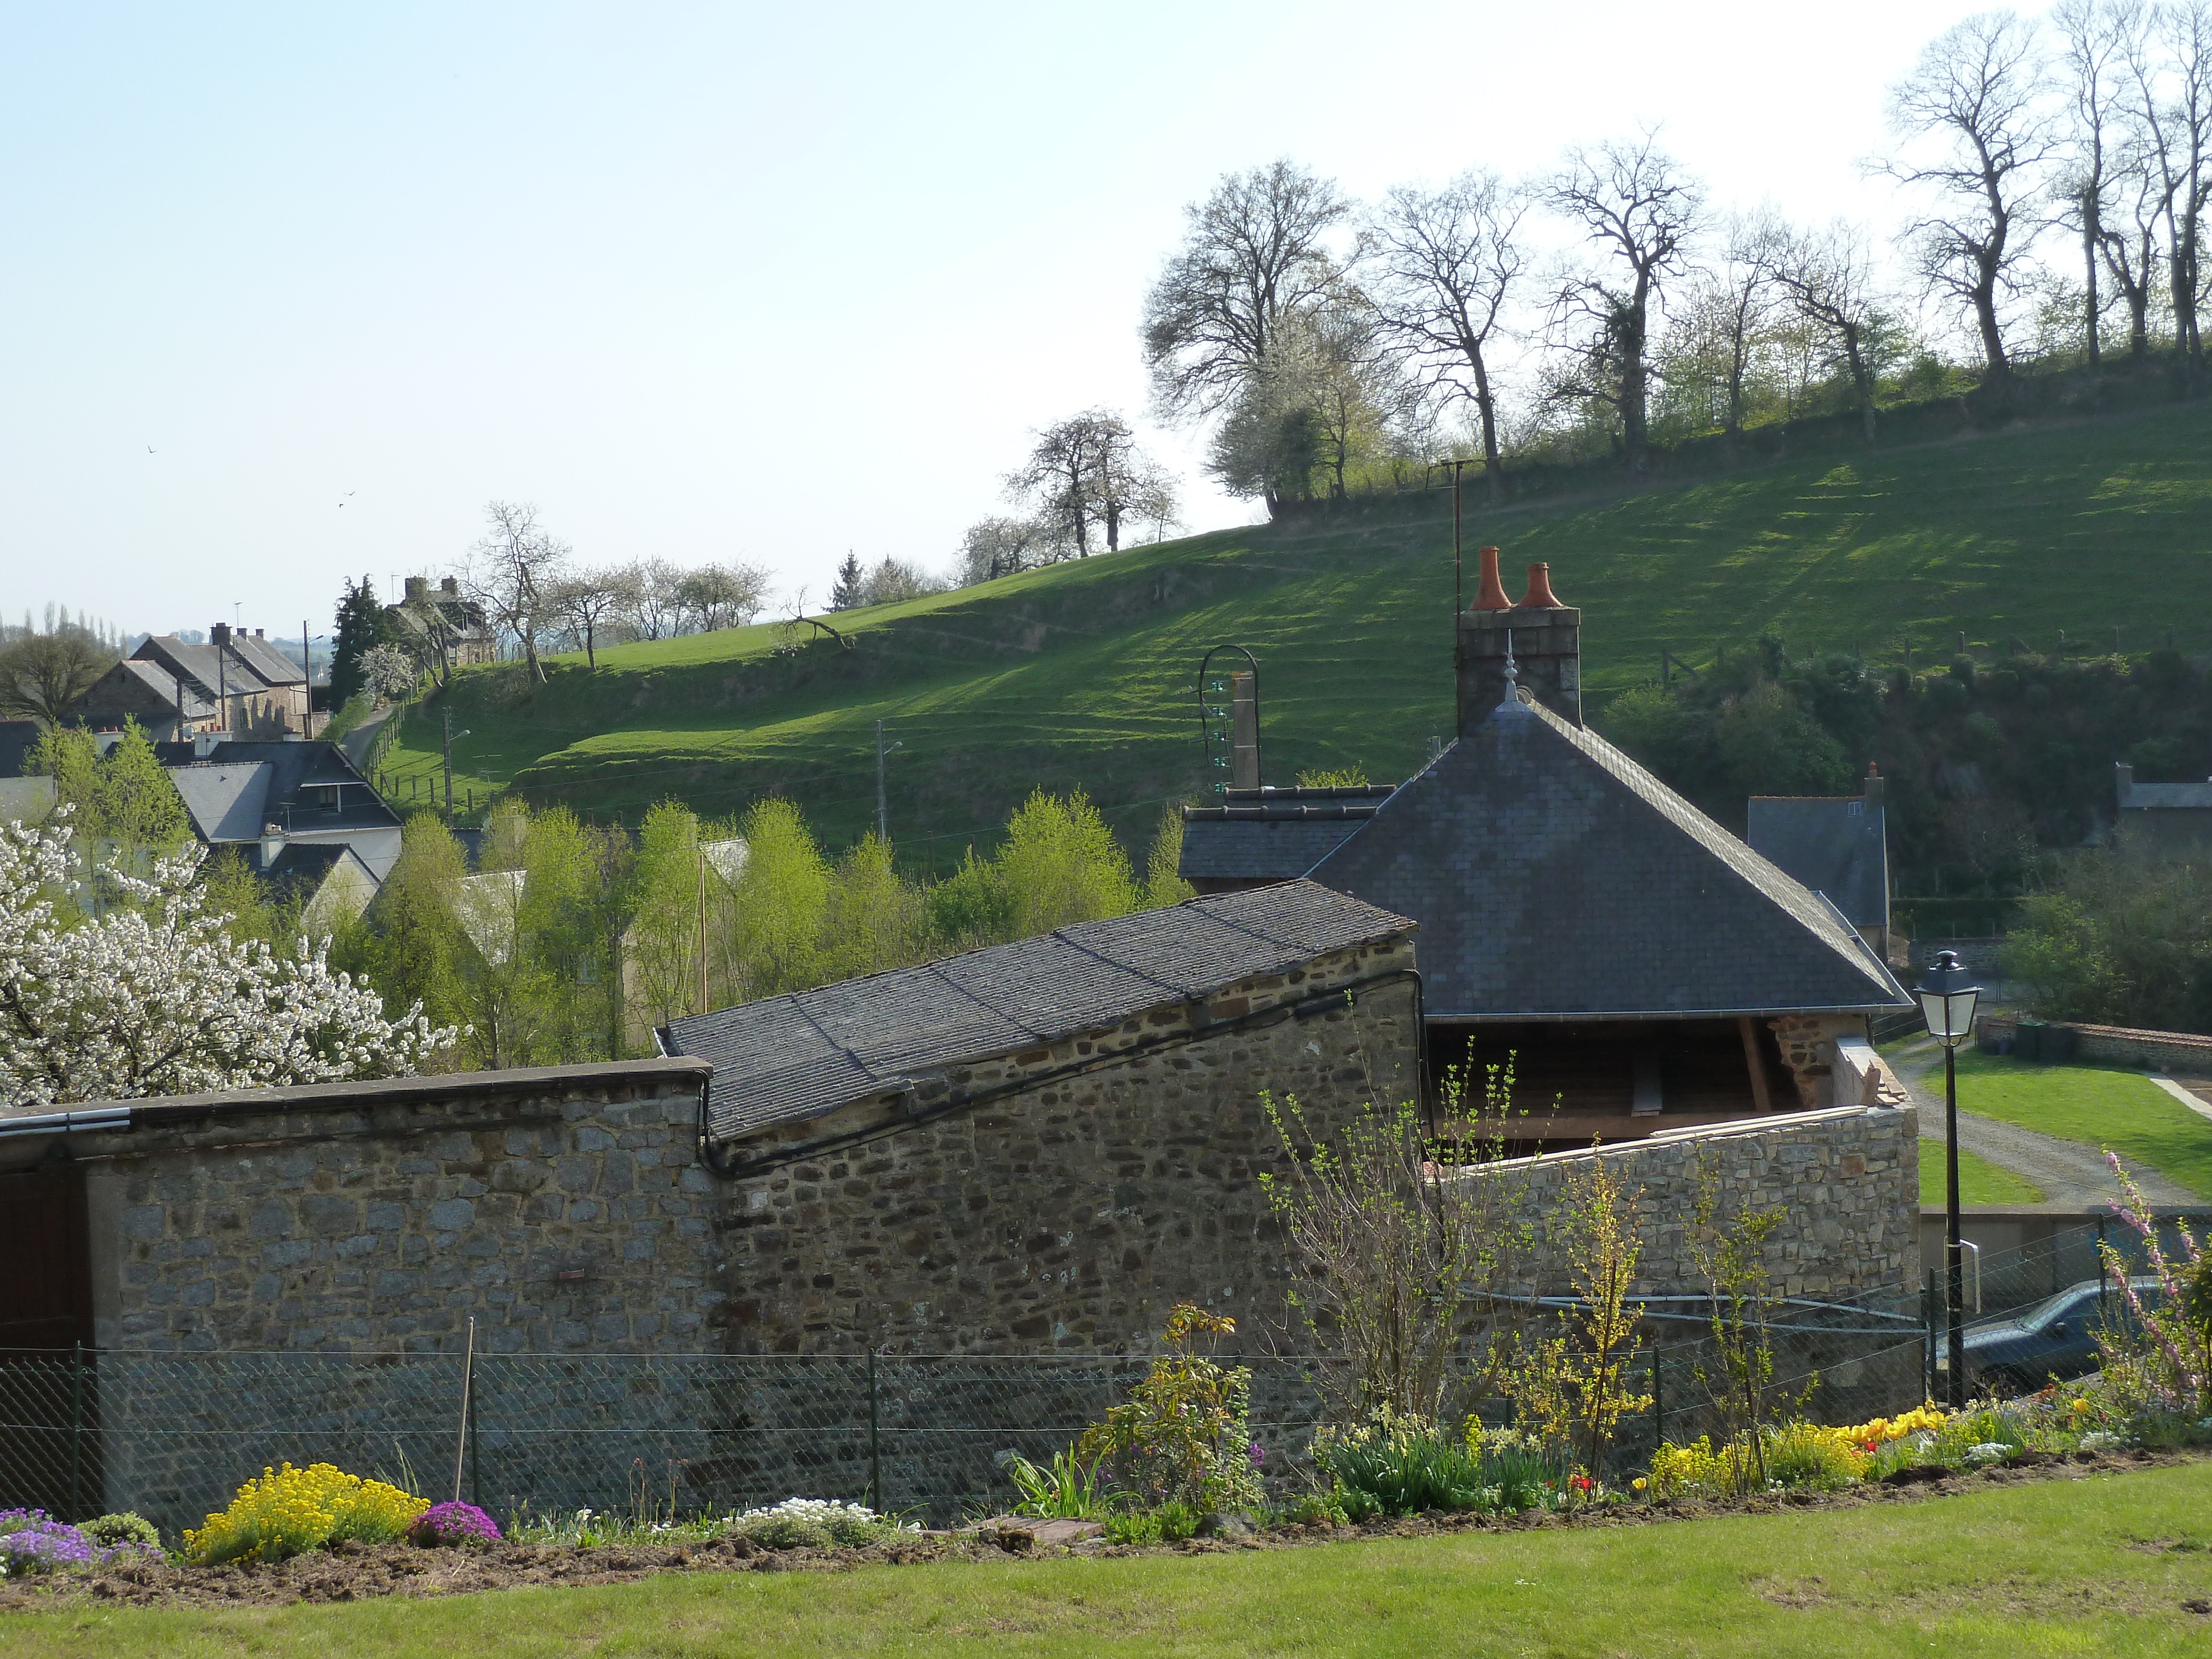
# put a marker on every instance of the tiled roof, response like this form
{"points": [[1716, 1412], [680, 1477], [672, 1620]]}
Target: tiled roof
{"points": [[1835, 845], [788, 1058], [1551, 876]]}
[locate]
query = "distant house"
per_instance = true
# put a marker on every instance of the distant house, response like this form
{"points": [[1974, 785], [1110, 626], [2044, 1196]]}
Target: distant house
{"points": [[274, 798], [1838, 846], [445, 626], [1643, 969], [2165, 818], [237, 686]]}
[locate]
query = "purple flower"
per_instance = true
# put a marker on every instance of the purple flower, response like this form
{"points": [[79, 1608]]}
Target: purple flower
{"points": [[1257, 1456], [32, 1541], [454, 1523]]}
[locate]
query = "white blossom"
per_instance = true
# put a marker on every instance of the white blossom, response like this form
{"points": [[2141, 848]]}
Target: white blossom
{"points": [[154, 997]]}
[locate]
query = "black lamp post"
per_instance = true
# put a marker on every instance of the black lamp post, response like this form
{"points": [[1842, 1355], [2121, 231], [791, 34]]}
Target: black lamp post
{"points": [[1946, 1001]]}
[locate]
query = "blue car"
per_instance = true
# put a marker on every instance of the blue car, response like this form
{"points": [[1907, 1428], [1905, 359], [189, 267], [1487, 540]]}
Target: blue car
{"points": [[2053, 1338]]}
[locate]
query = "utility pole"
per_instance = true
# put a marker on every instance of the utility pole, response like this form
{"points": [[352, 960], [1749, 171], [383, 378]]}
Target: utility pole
{"points": [[702, 929], [882, 799], [450, 735], [1457, 466]]}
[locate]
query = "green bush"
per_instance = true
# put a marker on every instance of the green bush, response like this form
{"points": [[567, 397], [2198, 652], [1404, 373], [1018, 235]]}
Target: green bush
{"points": [[129, 1528], [1801, 1454], [1401, 1466]]}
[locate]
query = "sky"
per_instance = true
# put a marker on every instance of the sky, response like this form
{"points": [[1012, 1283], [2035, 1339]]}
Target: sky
{"points": [[288, 293]]}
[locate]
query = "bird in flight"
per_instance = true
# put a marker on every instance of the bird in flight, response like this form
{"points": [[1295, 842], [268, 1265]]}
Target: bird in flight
{"points": [[149, 449]]}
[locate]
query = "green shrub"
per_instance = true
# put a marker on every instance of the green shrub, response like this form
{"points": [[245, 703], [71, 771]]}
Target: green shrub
{"points": [[1184, 1436], [1067, 1489], [129, 1528], [1801, 1455], [1400, 1466]]}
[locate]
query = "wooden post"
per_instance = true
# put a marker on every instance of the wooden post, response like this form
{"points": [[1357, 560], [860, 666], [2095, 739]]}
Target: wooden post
{"points": [[1756, 1066]]}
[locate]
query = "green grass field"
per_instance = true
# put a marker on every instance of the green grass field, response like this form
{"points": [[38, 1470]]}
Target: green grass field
{"points": [[1084, 674], [2104, 1566], [2109, 1110], [1980, 1182]]}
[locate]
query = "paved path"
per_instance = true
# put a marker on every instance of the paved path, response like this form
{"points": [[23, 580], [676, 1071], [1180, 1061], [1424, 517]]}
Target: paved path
{"points": [[356, 743], [2067, 1171]]}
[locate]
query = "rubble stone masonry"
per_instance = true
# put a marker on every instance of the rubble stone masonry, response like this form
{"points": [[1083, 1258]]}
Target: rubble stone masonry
{"points": [[1072, 1211]]}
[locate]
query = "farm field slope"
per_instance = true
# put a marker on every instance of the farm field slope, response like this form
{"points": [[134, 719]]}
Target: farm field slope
{"points": [[1083, 674]]}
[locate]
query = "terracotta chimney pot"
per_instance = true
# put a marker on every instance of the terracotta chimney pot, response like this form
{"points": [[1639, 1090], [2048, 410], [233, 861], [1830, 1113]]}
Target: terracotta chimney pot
{"points": [[1539, 596], [1491, 595]]}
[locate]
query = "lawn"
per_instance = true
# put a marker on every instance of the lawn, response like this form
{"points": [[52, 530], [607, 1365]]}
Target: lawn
{"points": [[2116, 1110], [1980, 1182], [1083, 674], [2101, 1566]]}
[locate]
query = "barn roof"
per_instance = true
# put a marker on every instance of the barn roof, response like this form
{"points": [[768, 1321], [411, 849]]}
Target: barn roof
{"points": [[1835, 845], [788, 1058]]}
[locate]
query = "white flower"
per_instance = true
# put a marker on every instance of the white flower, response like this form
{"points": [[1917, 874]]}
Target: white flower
{"points": [[151, 996], [1988, 1451]]}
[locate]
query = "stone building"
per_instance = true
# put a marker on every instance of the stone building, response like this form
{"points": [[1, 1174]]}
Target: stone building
{"points": [[240, 685], [1640, 968], [1045, 1143]]}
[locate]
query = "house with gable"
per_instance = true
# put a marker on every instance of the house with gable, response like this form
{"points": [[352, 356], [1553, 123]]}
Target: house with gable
{"points": [[238, 684], [1641, 970]]}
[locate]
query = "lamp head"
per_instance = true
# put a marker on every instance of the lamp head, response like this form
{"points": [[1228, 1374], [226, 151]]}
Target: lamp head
{"points": [[1947, 995]]}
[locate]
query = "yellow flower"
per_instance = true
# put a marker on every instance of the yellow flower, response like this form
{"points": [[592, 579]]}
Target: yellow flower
{"points": [[1639, 1483], [2081, 1405]]}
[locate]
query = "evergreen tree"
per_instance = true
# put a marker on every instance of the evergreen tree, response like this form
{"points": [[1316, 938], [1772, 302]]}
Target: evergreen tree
{"points": [[363, 625], [845, 595]]}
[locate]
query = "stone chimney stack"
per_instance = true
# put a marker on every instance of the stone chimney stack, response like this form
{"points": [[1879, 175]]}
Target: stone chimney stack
{"points": [[2123, 783], [418, 591], [218, 634], [1876, 790], [1545, 641]]}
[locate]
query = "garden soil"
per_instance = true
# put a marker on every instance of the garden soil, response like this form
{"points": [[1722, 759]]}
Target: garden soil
{"points": [[353, 1572]]}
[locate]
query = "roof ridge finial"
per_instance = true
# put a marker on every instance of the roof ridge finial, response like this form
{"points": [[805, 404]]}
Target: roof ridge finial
{"points": [[1512, 672]]}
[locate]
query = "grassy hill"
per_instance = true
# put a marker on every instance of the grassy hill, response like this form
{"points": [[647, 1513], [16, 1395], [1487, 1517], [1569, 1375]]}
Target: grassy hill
{"points": [[1084, 673]]}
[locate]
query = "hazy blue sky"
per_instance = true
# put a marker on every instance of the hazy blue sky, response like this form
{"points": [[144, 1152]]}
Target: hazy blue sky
{"points": [[715, 281]]}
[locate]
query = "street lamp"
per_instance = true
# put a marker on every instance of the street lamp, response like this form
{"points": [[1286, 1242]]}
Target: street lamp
{"points": [[1947, 1002]]}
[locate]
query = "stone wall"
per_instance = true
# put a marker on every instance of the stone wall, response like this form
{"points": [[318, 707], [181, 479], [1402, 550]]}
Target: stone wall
{"points": [[2179, 1054], [564, 1208], [1073, 1211], [1846, 1181], [1809, 1049]]}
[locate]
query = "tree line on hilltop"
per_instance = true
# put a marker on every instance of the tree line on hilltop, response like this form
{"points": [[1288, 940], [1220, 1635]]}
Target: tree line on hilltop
{"points": [[2056, 172]]}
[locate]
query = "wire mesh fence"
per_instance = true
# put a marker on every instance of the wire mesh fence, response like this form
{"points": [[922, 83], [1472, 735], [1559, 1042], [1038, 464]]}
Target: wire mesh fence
{"points": [[172, 1434]]}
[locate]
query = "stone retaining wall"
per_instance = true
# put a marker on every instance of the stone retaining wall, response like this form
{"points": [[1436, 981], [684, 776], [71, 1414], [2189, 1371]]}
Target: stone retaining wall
{"points": [[2180, 1053]]}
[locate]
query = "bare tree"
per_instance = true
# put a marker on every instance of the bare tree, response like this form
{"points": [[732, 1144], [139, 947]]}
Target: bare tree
{"points": [[1827, 279], [587, 601], [2092, 51], [1640, 211], [2128, 235], [1445, 263], [1086, 470], [657, 609], [1977, 89], [721, 596], [513, 572], [1253, 254], [2169, 63], [1717, 332]]}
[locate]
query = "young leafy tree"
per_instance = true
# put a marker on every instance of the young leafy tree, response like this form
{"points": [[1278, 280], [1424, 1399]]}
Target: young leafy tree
{"points": [[1163, 885], [1060, 864], [873, 920], [410, 944], [773, 938], [1737, 1369], [664, 939]]}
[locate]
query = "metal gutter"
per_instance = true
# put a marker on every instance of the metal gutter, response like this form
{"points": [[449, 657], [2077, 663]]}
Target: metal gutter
{"points": [[102, 1120]]}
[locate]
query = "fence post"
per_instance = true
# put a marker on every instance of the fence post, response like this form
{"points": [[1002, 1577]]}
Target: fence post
{"points": [[1928, 1302], [1658, 1400], [875, 1457], [475, 1469], [76, 1432]]}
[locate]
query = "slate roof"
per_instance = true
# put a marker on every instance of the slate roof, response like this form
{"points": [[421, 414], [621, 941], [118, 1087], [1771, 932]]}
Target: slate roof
{"points": [[17, 739], [226, 802], [789, 1057], [2166, 797], [1271, 835], [1838, 846], [1553, 876], [232, 677], [157, 680], [266, 657]]}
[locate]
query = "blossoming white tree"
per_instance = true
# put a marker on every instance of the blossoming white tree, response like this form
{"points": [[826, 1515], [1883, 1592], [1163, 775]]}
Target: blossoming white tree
{"points": [[154, 997]]}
